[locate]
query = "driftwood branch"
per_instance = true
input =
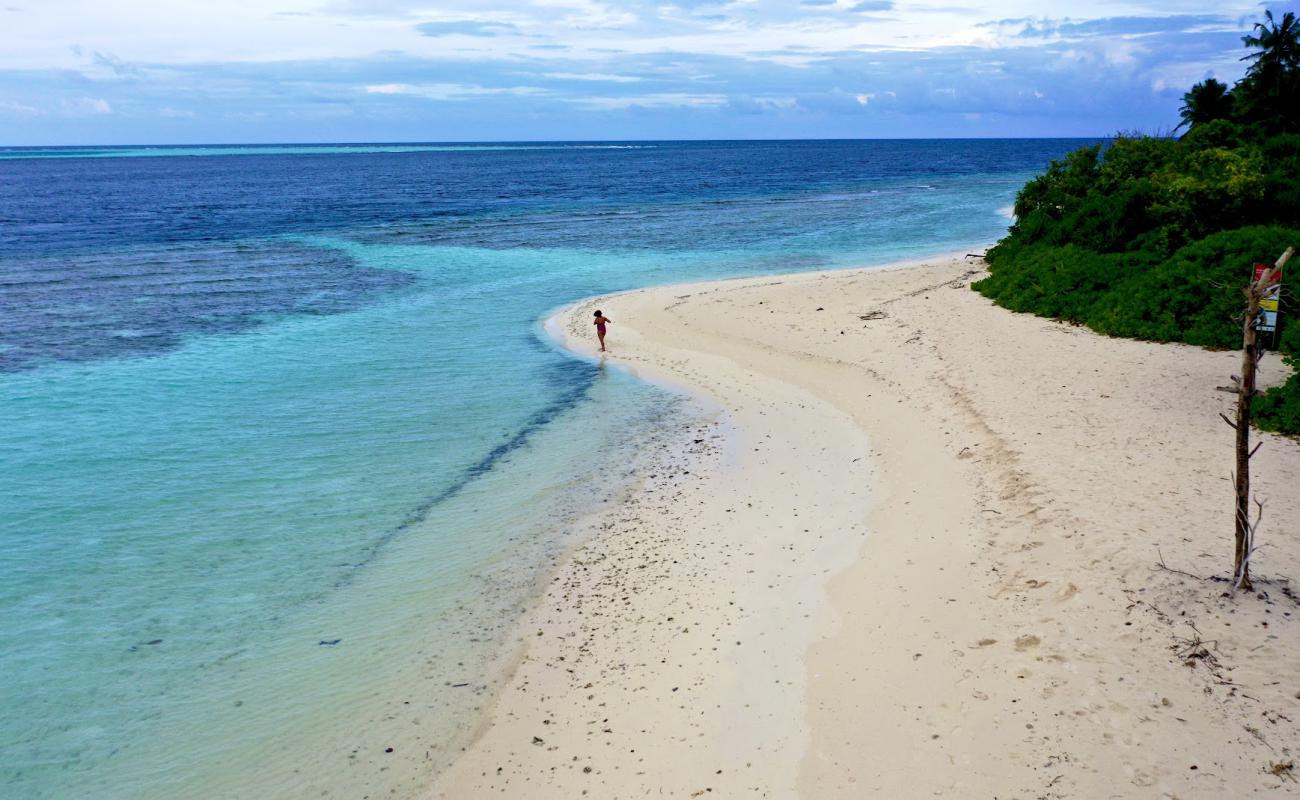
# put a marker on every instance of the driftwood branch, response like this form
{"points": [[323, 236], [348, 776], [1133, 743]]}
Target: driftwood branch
{"points": [[1241, 580], [1168, 568]]}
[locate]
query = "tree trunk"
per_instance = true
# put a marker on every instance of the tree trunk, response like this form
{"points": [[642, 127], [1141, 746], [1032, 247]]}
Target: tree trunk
{"points": [[1243, 532], [1245, 395]]}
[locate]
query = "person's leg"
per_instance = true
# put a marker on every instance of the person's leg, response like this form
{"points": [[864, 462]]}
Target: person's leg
{"points": [[601, 335]]}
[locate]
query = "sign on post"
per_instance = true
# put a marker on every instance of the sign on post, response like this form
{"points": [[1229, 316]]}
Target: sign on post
{"points": [[1268, 304]]}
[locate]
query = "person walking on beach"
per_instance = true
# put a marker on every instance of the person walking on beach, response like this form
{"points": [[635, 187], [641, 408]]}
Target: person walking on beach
{"points": [[601, 322]]}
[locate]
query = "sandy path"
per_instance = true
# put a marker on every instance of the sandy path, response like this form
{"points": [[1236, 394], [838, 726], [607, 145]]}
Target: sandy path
{"points": [[923, 563]]}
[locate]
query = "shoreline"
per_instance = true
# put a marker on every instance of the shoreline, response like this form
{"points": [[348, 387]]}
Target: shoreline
{"points": [[504, 661], [511, 655], [948, 598]]}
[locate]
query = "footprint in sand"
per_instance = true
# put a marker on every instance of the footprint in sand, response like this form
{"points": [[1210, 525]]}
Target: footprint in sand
{"points": [[1140, 777], [1024, 643]]}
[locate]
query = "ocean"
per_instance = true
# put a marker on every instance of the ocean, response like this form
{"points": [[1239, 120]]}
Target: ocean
{"points": [[286, 453]]}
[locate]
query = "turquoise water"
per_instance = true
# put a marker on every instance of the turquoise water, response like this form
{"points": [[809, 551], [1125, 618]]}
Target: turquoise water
{"points": [[225, 508], [285, 452]]}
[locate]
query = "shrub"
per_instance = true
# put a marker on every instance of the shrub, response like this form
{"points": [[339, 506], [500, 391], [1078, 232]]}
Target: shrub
{"points": [[1279, 409], [1194, 296], [1053, 281]]}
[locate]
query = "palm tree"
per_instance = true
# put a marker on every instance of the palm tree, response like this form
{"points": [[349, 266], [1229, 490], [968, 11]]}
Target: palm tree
{"points": [[1205, 102], [1279, 44], [1267, 95]]}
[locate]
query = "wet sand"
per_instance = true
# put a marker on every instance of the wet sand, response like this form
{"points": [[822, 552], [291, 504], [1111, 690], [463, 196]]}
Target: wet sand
{"points": [[917, 554]]}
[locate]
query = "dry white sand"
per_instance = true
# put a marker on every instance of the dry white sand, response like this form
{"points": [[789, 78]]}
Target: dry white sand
{"points": [[917, 556]]}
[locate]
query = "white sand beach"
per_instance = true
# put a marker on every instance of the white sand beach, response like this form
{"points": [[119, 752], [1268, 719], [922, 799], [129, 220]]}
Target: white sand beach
{"points": [[916, 555]]}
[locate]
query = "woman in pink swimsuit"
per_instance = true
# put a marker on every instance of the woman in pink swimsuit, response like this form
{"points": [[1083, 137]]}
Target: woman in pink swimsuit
{"points": [[601, 322]]}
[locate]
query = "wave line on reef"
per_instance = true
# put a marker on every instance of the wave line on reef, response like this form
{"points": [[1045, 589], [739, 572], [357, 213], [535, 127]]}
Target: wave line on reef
{"points": [[569, 399]]}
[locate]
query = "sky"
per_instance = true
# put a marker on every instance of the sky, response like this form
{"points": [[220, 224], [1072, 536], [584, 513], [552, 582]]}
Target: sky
{"points": [[200, 71]]}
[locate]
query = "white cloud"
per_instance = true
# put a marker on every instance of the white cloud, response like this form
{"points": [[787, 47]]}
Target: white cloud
{"points": [[450, 91], [695, 61], [87, 106], [584, 14], [134, 36], [20, 109], [592, 76], [775, 103], [653, 100]]}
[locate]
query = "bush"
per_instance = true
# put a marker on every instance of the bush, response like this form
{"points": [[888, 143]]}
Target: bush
{"points": [[1279, 409], [1219, 133], [1053, 281], [1194, 296]]}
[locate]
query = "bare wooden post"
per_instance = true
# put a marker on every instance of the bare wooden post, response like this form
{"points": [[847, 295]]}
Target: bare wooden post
{"points": [[1250, 354]]}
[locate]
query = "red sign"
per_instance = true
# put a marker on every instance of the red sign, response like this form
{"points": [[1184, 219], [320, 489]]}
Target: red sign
{"points": [[1260, 269]]}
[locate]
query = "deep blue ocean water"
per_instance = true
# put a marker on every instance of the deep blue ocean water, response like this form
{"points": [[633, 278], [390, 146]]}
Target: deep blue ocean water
{"points": [[283, 448]]}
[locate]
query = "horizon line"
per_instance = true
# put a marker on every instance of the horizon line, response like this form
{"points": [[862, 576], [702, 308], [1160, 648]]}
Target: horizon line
{"points": [[396, 143]]}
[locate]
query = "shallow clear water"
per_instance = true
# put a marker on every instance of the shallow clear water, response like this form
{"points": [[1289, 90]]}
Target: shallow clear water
{"points": [[284, 451]]}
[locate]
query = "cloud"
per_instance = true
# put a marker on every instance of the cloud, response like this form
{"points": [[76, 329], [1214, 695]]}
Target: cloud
{"points": [[1047, 28], [762, 105], [580, 68], [451, 91], [692, 5], [91, 106], [592, 76], [116, 65], [465, 28], [655, 100], [19, 109]]}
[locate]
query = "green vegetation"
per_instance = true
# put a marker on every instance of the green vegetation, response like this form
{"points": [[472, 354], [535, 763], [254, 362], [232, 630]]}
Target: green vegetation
{"points": [[1279, 409], [1153, 238]]}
